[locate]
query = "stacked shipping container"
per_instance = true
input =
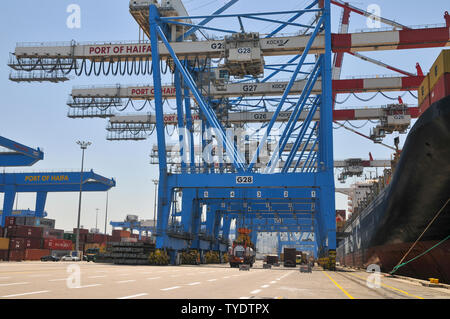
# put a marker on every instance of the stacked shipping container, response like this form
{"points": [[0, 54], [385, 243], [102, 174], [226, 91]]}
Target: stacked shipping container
{"points": [[26, 241], [437, 83]]}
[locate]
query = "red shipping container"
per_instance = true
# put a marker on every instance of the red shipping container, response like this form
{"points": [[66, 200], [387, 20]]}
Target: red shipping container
{"points": [[33, 243], [99, 238], [10, 221], [58, 244], [17, 244], [4, 255], [24, 231], [121, 233], [36, 254], [425, 105], [441, 88], [1, 231], [16, 255], [89, 238], [82, 231]]}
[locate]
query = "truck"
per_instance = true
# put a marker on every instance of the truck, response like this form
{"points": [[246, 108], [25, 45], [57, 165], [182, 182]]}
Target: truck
{"points": [[289, 255], [242, 251], [90, 254]]}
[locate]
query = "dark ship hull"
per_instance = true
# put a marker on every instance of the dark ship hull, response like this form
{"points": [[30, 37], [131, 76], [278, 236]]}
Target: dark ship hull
{"points": [[385, 230]]}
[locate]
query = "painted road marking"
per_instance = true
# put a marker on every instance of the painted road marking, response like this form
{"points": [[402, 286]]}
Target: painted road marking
{"points": [[272, 282], [133, 296], [48, 275], [265, 286], [194, 283], [337, 285], [244, 298], [58, 279], [87, 286], [14, 283], [393, 288], [170, 288], [255, 291], [285, 275], [125, 281], [212, 279], [26, 293], [152, 278], [102, 276]]}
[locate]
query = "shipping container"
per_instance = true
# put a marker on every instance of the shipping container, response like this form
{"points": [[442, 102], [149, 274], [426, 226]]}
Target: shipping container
{"points": [[20, 221], [16, 255], [441, 88], [69, 236], [24, 231], [121, 233], [4, 243], [10, 221], [1, 231], [36, 254], [4, 254], [17, 244], [128, 240], [99, 238], [439, 68], [424, 90], [57, 244], [424, 105], [53, 233], [33, 243], [82, 231], [40, 222]]}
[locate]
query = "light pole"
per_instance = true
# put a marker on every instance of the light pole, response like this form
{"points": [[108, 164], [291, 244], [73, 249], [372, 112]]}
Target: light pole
{"points": [[96, 217], [106, 211], [83, 146], [154, 211]]}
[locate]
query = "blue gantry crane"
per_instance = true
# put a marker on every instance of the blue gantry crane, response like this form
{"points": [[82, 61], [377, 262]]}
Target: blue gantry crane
{"points": [[43, 183], [40, 183], [241, 190], [17, 154]]}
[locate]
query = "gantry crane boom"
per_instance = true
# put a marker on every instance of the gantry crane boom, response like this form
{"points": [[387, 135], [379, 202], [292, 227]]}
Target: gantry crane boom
{"points": [[143, 92], [275, 46], [262, 117]]}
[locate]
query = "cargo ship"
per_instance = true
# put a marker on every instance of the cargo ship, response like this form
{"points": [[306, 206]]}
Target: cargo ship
{"points": [[398, 207]]}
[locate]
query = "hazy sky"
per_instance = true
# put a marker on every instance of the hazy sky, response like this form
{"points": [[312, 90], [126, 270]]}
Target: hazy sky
{"points": [[36, 114]]}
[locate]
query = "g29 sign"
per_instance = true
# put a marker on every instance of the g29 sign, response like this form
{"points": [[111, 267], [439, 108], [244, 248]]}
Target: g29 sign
{"points": [[244, 179]]}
